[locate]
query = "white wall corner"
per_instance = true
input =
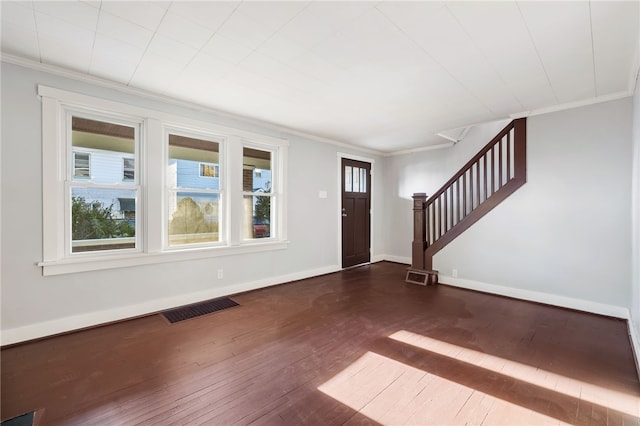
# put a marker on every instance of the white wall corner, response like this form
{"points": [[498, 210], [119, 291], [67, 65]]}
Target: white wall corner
{"points": [[91, 319], [539, 297]]}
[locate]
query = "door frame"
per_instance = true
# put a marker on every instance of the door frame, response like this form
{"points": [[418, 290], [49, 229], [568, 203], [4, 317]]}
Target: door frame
{"points": [[338, 210]]}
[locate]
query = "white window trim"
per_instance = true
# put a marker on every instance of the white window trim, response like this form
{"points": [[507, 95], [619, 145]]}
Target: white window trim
{"points": [[276, 189], [151, 167], [135, 184]]}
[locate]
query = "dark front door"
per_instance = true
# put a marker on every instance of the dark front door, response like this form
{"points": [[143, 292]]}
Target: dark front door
{"points": [[356, 212]]}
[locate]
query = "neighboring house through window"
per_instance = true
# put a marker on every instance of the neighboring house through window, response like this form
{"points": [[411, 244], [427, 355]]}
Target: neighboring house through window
{"points": [[97, 220], [183, 205], [193, 189]]}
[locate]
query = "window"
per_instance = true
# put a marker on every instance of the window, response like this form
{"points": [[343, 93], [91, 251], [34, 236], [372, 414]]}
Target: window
{"points": [[193, 190], [128, 169], [257, 181], [209, 170], [126, 186], [81, 165], [355, 179], [98, 221]]}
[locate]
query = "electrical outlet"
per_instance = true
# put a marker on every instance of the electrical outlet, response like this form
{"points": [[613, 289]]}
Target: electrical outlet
{"points": [[220, 274], [454, 273]]}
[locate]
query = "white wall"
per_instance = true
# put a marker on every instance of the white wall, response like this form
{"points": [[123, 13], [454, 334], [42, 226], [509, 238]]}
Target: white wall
{"points": [[635, 221], [564, 237], [34, 306]]}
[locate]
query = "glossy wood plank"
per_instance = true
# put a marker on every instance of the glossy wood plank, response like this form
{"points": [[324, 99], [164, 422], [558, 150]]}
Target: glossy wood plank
{"points": [[354, 347]]}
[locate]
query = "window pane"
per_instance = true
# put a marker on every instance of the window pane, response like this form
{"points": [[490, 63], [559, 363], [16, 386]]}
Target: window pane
{"points": [[257, 223], [347, 179], [193, 163], [256, 176], [102, 219], [193, 218], [363, 180], [356, 179], [108, 144]]}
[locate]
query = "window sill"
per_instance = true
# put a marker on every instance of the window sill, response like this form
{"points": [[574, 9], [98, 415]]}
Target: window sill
{"points": [[95, 263]]}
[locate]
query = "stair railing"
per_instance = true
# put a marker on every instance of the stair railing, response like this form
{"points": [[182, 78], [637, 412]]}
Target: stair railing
{"points": [[493, 174]]}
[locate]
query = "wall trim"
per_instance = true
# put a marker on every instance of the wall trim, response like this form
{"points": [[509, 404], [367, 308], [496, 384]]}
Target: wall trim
{"points": [[635, 344], [91, 319], [571, 105], [397, 259], [540, 297], [87, 78], [420, 149]]}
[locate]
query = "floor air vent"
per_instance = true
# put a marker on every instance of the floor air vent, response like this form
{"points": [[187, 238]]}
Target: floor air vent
{"points": [[23, 420], [192, 311]]}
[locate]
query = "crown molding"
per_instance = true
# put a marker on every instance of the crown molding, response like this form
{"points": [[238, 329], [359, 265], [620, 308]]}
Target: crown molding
{"points": [[571, 105], [109, 84], [420, 149]]}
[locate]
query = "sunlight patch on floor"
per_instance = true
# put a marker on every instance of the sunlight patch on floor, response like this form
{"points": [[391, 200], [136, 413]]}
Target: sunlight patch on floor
{"points": [[392, 393], [629, 404]]}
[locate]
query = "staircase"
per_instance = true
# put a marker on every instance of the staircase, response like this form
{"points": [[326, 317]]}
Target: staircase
{"points": [[494, 173]]}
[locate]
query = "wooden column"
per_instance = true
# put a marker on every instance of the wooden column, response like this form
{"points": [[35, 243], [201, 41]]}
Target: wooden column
{"points": [[419, 231], [520, 150], [420, 272]]}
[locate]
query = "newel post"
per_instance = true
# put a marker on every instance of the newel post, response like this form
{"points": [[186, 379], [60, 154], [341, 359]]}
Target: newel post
{"points": [[419, 231]]}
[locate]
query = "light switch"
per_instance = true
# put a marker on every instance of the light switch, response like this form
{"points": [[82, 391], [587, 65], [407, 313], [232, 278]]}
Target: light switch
{"points": [[322, 194]]}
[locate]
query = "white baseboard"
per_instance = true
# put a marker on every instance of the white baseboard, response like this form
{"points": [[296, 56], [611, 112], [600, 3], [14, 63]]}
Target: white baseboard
{"points": [[635, 344], [77, 322], [396, 259], [540, 297]]}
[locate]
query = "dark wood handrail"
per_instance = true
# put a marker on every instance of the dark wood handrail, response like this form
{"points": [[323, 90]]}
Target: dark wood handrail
{"points": [[474, 160], [494, 173]]}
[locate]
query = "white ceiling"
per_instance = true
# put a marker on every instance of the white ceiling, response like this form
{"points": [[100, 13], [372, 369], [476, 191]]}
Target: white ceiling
{"points": [[384, 75]]}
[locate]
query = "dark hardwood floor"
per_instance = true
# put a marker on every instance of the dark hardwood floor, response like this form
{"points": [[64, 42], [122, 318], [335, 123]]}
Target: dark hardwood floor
{"points": [[355, 347]]}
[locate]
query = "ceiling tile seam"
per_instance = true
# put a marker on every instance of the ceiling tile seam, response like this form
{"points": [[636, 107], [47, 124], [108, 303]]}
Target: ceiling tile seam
{"points": [[544, 69], [256, 50], [253, 50], [309, 49], [95, 36], [312, 77], [277, 31], [336, 29], [35, 25], [199, 51], [593, 52], [146, 49], [146, 94], [466, 89], [485, 57]]}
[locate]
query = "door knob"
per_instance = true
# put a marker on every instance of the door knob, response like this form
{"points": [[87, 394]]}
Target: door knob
{"points": [[344, 212]]}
